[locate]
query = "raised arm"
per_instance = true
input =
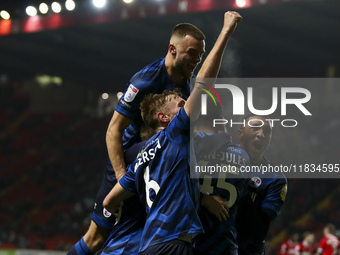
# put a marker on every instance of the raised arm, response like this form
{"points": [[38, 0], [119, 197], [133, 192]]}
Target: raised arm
{"points": [[113, 200], [212, 63], [114, 142]]}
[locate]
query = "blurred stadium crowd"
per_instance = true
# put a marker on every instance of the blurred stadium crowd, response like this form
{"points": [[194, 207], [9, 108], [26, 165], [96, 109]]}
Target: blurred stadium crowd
{"points": [[51, 167]]}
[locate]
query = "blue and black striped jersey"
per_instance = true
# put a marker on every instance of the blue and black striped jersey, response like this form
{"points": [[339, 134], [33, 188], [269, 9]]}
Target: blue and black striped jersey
{"points": [[225, 179], [161, 176], [125, 236], [153, 78], [265, 196]]}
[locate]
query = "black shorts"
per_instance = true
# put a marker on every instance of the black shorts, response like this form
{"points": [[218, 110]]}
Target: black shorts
{"points": [[173, 247], [100, 215]]}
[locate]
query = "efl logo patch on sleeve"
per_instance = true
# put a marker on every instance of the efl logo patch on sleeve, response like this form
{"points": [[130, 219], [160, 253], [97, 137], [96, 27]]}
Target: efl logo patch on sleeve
{"points": [[130, 93], [106, 213]]}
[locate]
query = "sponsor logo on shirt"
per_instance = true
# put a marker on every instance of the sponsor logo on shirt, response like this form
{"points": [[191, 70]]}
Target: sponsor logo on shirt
{"points": [[130, 94]]}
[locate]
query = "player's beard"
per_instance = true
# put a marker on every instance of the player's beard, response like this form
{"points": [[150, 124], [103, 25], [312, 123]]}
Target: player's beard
{"points": [[185, 69]]}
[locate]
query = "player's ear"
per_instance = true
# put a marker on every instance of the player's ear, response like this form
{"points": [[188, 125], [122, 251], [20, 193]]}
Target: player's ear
{"points": [[172, 49], [163, 117], [240, 134]]}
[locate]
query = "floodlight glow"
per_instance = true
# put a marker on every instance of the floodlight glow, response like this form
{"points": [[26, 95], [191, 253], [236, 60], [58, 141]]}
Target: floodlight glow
{"points": [[128, 1], [5, 15], [99, 3], [105, 96], [31, 11], [57, 80], [70, 5], [119, 94], [43, 8], [56, 7], [241, 3]]}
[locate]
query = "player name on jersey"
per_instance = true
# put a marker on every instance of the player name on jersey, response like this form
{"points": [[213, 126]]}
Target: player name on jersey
{"points": [[230, 161], [147, 155], [229, 156]]}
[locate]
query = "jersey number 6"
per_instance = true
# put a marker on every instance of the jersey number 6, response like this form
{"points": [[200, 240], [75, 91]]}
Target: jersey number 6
{"points": [[149, 185]]}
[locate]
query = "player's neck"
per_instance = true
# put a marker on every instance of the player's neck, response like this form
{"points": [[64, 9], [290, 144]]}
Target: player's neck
{"points": [[170, 67], [164, 125], [256, 161], [207, 129]]}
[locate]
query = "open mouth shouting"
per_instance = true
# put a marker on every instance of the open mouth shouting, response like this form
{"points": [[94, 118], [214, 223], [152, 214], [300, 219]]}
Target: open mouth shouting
{"points": [[258, 146]]}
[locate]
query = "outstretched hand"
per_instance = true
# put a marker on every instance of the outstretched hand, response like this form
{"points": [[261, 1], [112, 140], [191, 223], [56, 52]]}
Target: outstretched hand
{"points": [[217, 206]]}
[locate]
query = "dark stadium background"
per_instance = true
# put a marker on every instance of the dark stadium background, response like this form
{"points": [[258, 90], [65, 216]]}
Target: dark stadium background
{"points": [[52, 135]]}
